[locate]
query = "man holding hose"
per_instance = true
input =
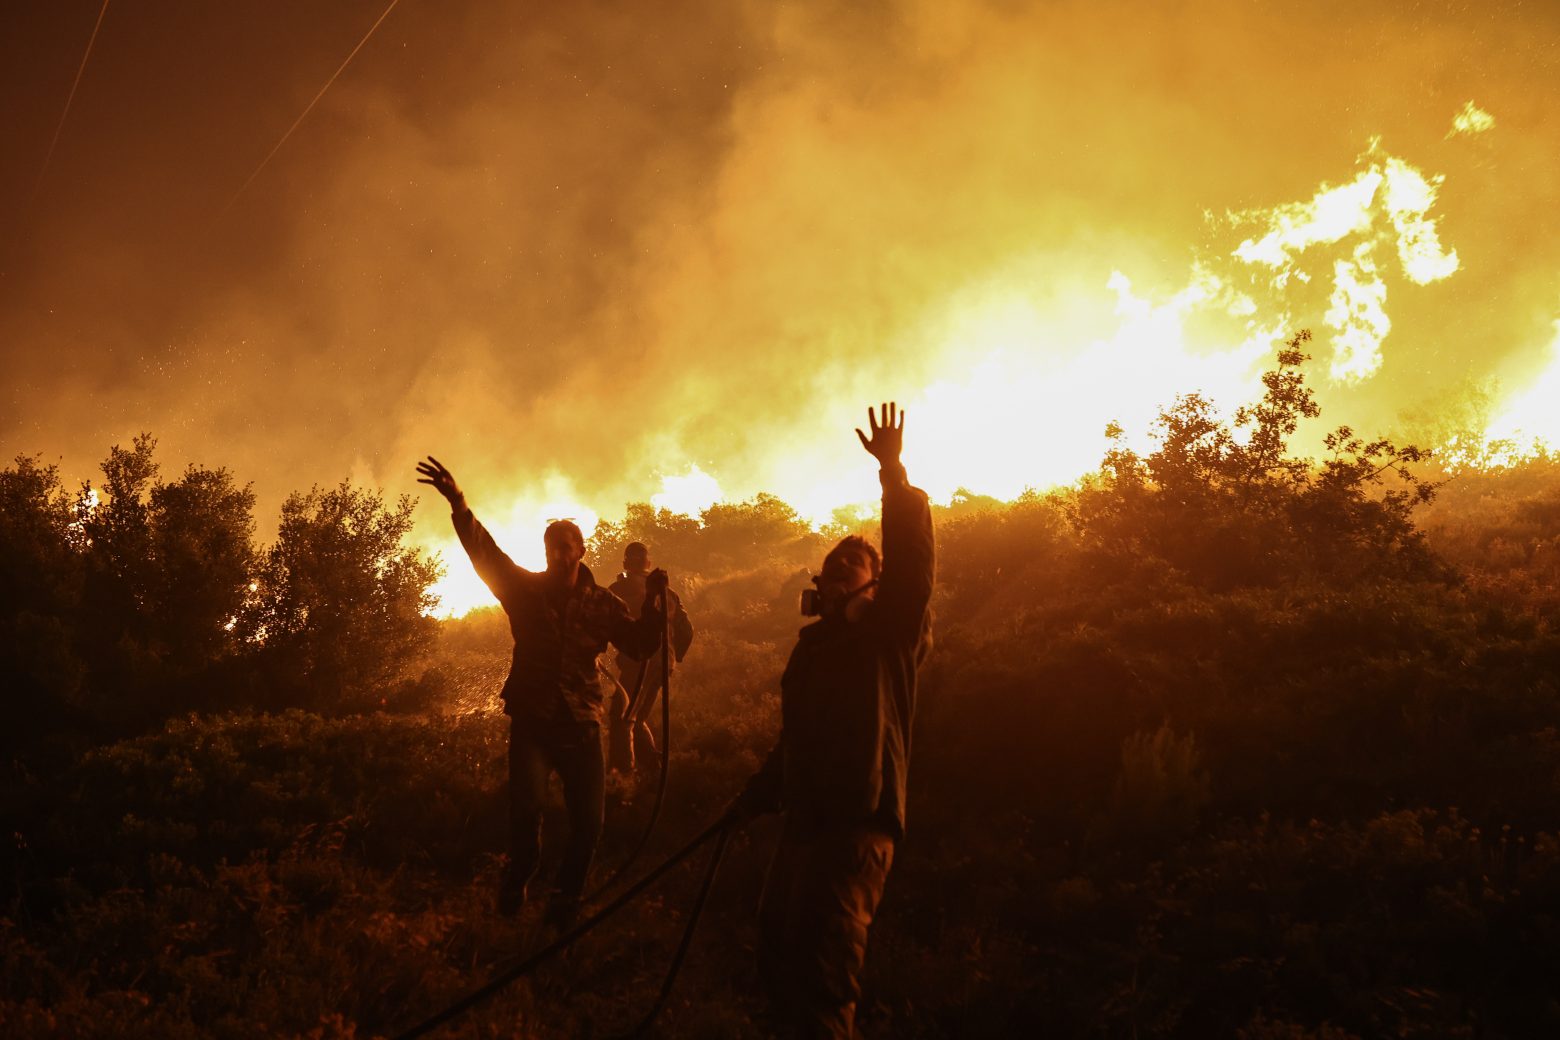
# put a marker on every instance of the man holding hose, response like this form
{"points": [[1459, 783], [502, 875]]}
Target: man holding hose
{"points": [[638, 682]]}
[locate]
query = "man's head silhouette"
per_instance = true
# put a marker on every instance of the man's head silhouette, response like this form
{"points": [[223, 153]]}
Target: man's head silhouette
{"points": [[850, 568], [565, 549], [636, 558]]}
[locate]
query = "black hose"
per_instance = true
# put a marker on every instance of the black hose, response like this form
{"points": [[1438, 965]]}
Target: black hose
{"points": [[639, 684], [666, 747], [517, 971], [687, 938]]}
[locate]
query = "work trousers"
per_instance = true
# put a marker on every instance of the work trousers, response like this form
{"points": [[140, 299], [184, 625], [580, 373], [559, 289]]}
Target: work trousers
{"points": [[572, 749], [629, 740], [822, 891]]}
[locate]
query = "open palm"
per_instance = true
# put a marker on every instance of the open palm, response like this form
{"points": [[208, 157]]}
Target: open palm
{"points": [[888, 435]]}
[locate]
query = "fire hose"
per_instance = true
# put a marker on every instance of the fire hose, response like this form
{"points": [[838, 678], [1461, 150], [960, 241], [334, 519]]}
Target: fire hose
{"points": [[666, 742], [720, 830]]}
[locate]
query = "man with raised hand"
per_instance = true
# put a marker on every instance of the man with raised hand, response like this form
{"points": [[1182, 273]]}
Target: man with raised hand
{"points": [[838, 771], [561, 621]]}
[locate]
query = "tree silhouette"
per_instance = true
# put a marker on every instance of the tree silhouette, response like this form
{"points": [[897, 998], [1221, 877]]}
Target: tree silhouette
{"points": [[1225, 503], [340, 606], [40, 588]]}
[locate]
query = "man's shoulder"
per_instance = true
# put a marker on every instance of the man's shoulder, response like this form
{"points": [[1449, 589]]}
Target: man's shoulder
{"points": [[526, 583], [602, 598], [823, 633]]}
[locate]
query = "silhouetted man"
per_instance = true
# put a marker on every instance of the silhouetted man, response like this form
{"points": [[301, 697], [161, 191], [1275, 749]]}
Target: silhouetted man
{"points": [[838, 771], [629, 738], [561, 620]]}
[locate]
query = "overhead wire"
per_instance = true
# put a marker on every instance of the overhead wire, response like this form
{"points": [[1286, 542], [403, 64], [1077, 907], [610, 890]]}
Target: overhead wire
{"points": [[307, 109], [59, 127]]}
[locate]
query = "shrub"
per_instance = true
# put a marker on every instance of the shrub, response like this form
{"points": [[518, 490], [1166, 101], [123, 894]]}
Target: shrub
{"points": [[340, 606]]}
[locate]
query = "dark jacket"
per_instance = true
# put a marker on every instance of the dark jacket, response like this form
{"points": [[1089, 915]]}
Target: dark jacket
{"points": [[847, 696], [553, 671], [630, 588]]}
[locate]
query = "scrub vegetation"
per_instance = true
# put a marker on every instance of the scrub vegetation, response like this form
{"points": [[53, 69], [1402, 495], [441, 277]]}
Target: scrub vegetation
{"points": [[1218, 742]]}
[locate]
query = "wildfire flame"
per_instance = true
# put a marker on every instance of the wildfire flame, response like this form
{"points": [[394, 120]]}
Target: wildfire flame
{"points": [[1012, 367], [1529, 420]]}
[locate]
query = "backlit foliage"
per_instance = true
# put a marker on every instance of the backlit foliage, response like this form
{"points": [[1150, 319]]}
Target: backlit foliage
{"points": [[1224, 742]]}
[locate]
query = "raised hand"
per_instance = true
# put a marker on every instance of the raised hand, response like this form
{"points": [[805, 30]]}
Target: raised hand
{"points": [[442, 480], [888, 436]]}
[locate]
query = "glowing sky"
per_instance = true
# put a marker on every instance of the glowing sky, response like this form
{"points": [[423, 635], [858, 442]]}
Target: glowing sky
{"points": [[598, 252]]}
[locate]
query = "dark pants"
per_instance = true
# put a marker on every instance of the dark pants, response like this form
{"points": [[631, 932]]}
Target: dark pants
{"points": [[823, 888], [536, 750]]}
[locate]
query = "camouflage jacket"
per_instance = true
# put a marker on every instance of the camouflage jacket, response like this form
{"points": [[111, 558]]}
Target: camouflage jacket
{"points": [[557, 639]]}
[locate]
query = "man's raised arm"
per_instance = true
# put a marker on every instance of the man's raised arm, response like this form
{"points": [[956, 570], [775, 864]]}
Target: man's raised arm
{"points": [[909, 557], [492, 564]]}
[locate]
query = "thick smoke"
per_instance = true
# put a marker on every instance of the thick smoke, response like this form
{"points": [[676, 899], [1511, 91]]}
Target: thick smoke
{"points": [[573, 249]]}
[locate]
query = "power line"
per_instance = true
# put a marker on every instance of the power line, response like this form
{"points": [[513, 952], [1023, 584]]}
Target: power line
{"points": [[305, 114], [60, 126]]}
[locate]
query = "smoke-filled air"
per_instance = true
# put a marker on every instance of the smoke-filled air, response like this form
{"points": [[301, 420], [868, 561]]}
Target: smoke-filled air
{"points": [[742, 519], [595, 255]]}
